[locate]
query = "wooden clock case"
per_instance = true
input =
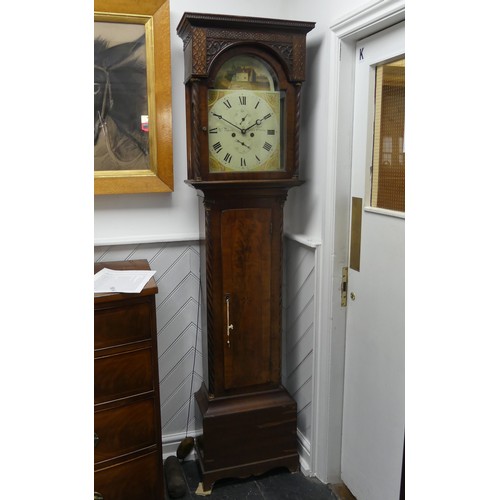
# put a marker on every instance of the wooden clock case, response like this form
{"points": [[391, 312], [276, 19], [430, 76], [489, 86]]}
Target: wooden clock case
{"points": [[249, 420]]}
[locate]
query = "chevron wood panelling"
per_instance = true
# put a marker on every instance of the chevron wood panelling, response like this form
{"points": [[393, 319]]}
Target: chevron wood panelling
{"points": [[177, 311], [177, 267], [298, 340]]}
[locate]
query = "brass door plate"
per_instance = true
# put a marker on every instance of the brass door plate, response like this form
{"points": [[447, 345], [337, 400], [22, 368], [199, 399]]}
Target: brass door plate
{"points": [[356, 216]]}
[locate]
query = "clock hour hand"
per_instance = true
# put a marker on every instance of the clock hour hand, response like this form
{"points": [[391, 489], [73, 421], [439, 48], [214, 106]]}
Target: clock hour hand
{"points": [[220, 117]]}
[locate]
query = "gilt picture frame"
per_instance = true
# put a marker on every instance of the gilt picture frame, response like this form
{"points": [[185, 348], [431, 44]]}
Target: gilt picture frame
{"points": [[132, 97]]}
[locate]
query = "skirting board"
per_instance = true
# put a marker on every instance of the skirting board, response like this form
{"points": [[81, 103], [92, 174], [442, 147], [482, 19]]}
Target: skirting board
{"points": [[171, 442], [342, 491], [304, 449]]}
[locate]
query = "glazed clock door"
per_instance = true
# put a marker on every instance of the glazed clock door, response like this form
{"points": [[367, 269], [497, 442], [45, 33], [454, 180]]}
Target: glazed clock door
{"points": [[246, 117], [246, 279]]}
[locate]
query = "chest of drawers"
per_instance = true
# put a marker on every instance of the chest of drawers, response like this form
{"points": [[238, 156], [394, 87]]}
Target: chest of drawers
{"points": [[127, 429]]}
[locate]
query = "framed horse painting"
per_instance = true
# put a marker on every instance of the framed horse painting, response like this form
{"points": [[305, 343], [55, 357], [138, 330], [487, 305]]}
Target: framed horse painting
{"points": [[132, 97]]}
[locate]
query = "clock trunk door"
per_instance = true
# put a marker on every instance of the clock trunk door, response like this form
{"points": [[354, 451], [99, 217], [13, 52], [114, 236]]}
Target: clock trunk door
{"points": [[246, 237]]}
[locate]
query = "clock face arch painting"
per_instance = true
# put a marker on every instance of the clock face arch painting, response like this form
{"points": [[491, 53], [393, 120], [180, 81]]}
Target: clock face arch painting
{"points": [[244, 117], [246, 72]]}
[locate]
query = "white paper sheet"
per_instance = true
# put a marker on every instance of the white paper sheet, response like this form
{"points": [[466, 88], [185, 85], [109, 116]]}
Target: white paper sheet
{"points": [[111, 281]]}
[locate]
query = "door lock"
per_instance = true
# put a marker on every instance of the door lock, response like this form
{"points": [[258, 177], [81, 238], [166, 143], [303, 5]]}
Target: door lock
{"points": [[343, 287]]}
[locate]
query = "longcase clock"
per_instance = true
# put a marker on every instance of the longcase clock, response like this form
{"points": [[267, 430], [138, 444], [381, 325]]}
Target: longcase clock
{"points": [[243, 80]]}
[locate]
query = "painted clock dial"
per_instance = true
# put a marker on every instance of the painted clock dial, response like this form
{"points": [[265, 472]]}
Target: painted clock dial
{"points": [[243, 130]]}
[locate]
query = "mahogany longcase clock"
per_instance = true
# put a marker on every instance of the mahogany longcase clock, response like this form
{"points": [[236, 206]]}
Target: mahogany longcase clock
{"points": [[243, 79]]}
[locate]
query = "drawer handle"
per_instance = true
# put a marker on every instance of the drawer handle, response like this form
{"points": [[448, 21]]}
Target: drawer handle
{"points": [[98, 496], [96, 440]]}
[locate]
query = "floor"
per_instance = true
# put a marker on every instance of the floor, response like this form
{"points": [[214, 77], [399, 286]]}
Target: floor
{"points": [[275, 485]]}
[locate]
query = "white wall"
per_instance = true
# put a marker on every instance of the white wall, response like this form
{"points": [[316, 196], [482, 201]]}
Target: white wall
{"points": [[174, 216]]}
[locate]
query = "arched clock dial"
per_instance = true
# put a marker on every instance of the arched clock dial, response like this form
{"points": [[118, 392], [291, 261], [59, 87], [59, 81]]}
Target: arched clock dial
{"points": [[244, 131]]}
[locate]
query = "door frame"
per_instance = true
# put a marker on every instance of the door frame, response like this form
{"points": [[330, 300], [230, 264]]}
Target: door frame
{"points": [[328, 392]]}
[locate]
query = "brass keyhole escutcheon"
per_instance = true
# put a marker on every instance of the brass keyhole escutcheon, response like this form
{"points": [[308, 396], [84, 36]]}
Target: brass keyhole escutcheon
{"points": [[353, 296]]}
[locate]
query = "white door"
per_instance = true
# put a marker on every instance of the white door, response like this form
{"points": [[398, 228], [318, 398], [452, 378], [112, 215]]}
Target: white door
{"points": [[373, 419]]}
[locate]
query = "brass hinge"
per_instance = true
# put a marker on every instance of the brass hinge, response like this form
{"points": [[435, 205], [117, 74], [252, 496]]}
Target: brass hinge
{"points": [[343, 287]]}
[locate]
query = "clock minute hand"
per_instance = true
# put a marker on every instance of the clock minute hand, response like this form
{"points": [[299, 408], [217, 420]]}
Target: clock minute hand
{"points": [[220, 117], [257, 122]]}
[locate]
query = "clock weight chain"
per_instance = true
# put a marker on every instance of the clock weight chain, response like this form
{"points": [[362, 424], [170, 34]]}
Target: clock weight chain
{"points": [[187, 444]]}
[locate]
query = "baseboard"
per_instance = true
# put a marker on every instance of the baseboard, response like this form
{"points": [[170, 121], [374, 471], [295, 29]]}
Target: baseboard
{"points": [[171, 442], [304, 449], [342, 491]]}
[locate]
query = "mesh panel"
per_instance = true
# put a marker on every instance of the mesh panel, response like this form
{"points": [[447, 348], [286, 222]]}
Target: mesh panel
{"points": [[388, 178]]}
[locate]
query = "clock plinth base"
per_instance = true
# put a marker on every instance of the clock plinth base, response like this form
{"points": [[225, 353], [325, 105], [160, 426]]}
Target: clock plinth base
{"points": [[246, 435]]}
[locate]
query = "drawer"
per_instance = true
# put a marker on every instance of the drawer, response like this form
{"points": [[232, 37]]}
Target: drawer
{"points": [[137, 479], [122, 325], [124, 374], [124, 429]]}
